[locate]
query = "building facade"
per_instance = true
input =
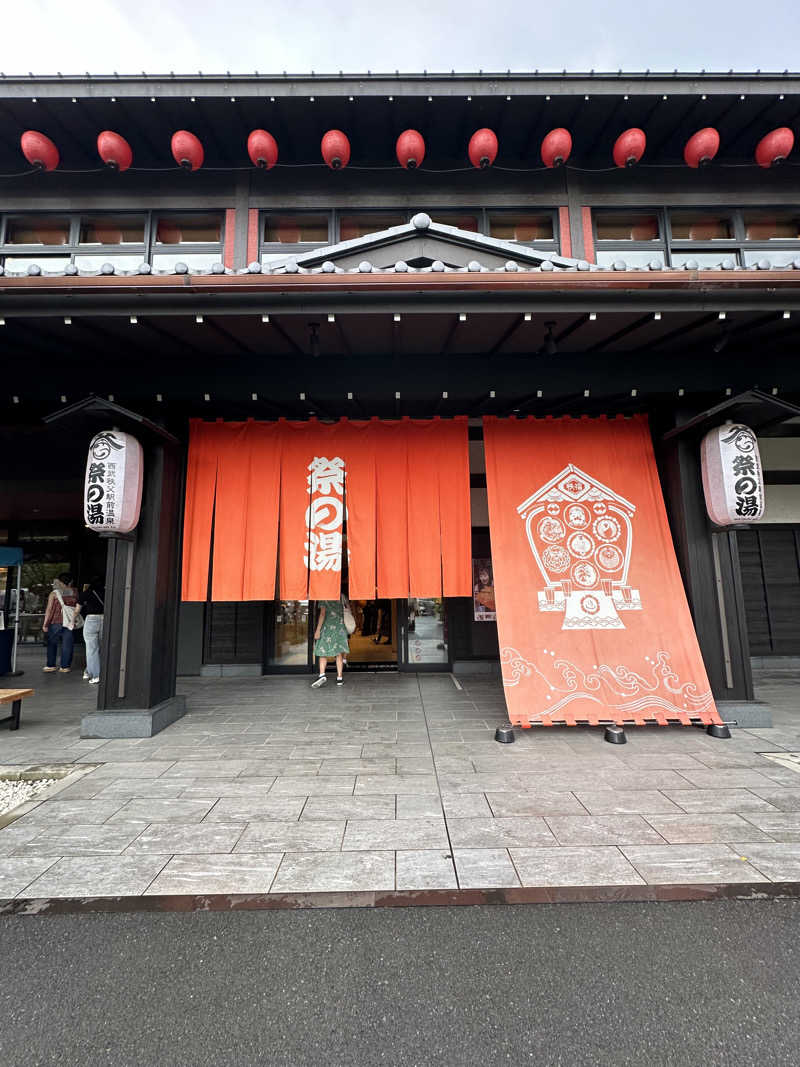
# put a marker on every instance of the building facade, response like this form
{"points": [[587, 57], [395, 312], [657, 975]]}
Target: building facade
{"points": [[146, 296]]}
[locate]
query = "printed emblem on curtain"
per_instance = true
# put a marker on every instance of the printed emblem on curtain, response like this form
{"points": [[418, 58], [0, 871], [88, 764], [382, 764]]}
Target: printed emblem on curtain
{"points": [[386, 503], [592, 617]]}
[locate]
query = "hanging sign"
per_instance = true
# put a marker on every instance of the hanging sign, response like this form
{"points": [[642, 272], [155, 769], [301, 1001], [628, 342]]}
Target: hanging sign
{"points": [[733, 481], [112, 494]]}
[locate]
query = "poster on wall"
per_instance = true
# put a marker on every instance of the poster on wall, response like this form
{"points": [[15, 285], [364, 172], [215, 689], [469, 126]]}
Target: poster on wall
{"points": [[483, 591]]}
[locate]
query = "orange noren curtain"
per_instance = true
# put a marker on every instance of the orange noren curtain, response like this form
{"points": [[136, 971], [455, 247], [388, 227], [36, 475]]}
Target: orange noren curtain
{"points": [[230, 512], [391, 472], [263, 506], [201, 481], [358, 445], [454, 503], [592, 616], [282, 488], [424, 521]]}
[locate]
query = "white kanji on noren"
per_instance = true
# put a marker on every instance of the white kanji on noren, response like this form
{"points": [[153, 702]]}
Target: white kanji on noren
{"points": [[325, 514], [327, 475], [324, 551]]}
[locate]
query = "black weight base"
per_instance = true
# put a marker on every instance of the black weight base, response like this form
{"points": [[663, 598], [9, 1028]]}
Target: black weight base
{"points": [[615, 735], [717, 729], [505, 734]]}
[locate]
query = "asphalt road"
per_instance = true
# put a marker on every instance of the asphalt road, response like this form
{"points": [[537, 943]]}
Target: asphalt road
{"points": [[573, 984]]}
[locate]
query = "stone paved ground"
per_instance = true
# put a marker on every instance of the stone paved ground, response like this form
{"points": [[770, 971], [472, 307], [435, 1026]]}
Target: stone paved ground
{"points": [[393, 782]]}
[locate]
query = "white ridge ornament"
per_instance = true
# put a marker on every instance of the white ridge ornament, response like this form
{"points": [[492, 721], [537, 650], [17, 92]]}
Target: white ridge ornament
{"points": [[733, 480], [112, 493]]}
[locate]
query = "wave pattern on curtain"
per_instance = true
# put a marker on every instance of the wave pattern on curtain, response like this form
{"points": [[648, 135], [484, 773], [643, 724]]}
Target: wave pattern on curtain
{"points": [[592, 616], [396, 494]]}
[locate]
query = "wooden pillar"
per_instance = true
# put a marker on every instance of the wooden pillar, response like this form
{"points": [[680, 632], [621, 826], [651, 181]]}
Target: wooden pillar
{"points": [[136, 695], [709, 563]]}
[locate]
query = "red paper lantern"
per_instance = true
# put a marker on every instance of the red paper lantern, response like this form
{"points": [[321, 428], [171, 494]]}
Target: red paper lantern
{"points": [[775, 147], [410, 149], [335, 149], [39, 150], [482, 148], [701, 147], [262, 149], [187, 150], [556, 147], [629, 147], [114, 150]]}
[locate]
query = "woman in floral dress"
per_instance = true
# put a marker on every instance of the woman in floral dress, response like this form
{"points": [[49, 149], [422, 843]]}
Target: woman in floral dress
{"points": [[330, 639]]}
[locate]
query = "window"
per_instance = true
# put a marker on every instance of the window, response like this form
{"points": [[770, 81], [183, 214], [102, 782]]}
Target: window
{"points": [[700, 226], [625, 226], [526, 229], [123, 239], [352, 226], [707, 236], [771, 225], [188, 230], [296, 229], [37, 230], [293, 233], [463, 220], [112, 230]]}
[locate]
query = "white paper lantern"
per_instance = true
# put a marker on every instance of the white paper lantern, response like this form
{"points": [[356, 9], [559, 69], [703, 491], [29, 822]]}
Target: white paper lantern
{"points": [[112, 493], [733, 481]]}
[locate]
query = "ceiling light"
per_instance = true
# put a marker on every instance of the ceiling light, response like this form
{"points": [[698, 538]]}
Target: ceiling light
{"points": [[722, 315], [254, 396], [527, 316], [67, 320], [206, 396], [395, 317], [787, 314], [133, 320], [592, 316], [331, 318], [198, 319], [657, 316], [2, 322], [586, 392], [159, 397], [265, 318], [462, 317], [774, 390]]}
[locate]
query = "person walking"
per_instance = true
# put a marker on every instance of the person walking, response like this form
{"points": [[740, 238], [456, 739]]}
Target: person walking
{"points": [[330, 639], [59, 620], [91, 606]]}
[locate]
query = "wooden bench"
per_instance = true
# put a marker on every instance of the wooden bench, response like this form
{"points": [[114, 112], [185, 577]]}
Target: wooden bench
{"points": [[14, 697]]}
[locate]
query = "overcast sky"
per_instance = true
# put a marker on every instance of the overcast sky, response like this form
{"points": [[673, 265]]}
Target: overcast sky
{"points": [[129, 36]]}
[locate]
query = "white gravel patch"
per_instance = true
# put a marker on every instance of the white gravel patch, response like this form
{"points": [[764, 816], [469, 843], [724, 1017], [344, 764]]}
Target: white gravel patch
{"points": [[14, 793]]}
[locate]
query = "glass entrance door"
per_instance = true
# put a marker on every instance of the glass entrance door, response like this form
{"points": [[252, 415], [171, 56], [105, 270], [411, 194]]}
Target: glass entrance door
{"points": [[289, 645], [374, 645], [424, 634]]}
